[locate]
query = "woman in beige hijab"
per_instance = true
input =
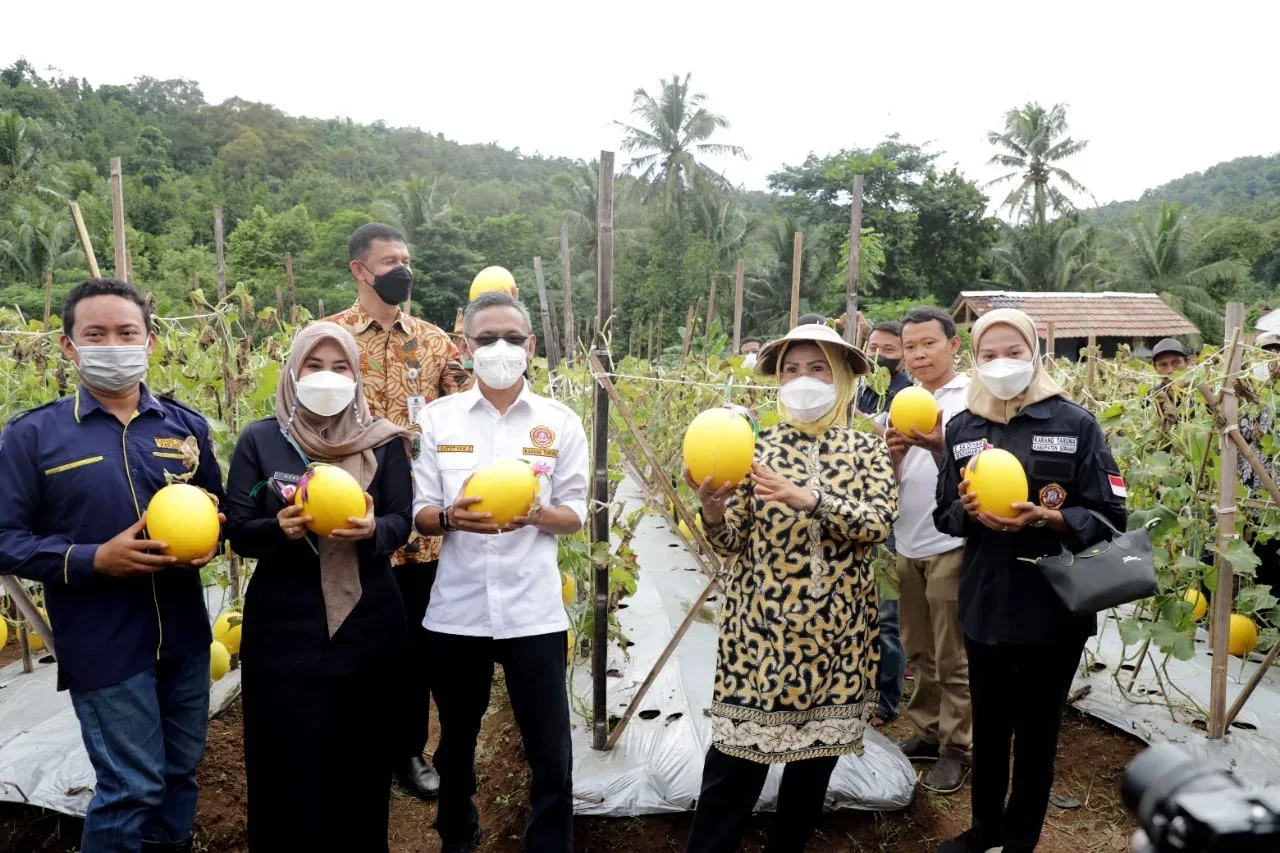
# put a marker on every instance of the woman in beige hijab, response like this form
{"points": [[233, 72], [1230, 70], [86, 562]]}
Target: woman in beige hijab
{"points": [[1023, 644], [323, 619]]}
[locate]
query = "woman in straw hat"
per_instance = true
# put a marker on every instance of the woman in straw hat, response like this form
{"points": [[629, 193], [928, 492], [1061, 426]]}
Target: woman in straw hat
{"points": [[323, 620], [1023, 643], [797, 662]]}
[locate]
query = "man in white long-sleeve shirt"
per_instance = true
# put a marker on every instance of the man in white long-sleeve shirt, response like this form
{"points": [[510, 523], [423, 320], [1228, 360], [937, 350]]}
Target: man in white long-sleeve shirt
{"points": [[496, 597]]}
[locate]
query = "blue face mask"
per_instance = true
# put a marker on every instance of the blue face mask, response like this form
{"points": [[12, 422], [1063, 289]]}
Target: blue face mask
{"points": [[468, 364]]}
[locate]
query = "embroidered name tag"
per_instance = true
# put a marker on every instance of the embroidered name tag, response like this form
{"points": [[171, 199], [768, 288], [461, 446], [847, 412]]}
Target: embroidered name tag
{"points": [[169, 443], [965, 449], [549, 452], [1055, 443], [455, 448], [285, 485]]}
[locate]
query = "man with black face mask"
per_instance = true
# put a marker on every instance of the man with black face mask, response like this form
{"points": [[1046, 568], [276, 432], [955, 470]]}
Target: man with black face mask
{"points": [[884, 347], [406, 363]]}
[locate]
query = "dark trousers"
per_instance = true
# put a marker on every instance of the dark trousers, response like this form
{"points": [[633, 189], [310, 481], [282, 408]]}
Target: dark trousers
{"points": [[730, 788], [1018, 693], [534, 670], [415, 581], [318, 760]]}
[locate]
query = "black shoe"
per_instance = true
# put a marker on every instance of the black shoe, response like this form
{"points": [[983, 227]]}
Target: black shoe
{"points": [[462, 846], [419, 778], [918, 749], [971, 841], [946, 777]]}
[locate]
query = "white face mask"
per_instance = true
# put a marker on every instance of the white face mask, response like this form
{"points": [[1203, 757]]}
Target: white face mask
{"points": [[807, 399], [500, 365], [749, 362], [325, 393], [1006, 378], [112, 368]]}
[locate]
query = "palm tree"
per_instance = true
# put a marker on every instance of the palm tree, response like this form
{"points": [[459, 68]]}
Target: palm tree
{"points": [[670, 135], [1034, 141], [719, 217], [417, 204], [1160, 248], [576, 193], [1060, 256], [36, 242]]}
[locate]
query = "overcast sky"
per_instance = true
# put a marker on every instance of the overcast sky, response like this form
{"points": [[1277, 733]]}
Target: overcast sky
{"points": [[1157, 91]]}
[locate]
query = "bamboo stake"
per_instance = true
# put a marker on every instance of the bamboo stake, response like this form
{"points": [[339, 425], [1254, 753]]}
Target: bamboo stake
{"points": [[688, 330], [737, 307], [1232, 432], [600, 448], [660, 346], [293, 295], [48, 298], [28, 610], [711, 313], [1254, 680], [117, 219], [548, 331], [855, 262], [570, 344], [1224, 594], [321, 304], [650, 350], [222, 263], [797, 251], [1092, 360], [85, 243], [1050, 343]]}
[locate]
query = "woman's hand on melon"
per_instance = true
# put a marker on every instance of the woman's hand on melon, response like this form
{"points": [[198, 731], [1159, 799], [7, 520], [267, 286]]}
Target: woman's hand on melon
{"points": [[292, 522], [361, 528], [970, 501], [126, 555], [712, 497]]}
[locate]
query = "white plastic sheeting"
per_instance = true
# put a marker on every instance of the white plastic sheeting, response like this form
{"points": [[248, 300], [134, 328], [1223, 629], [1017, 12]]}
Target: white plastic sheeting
{"points": [[657, 764]]}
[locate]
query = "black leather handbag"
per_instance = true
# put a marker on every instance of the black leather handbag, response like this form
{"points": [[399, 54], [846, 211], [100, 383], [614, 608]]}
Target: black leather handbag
{"points": [[1104, 575]]}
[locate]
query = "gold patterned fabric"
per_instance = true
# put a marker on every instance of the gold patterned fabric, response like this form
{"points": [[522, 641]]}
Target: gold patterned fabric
{"points": [[412, 358], [797, 661]]}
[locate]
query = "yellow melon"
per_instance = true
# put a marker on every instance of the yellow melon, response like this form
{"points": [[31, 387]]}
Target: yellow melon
{"points": [[1199, 604], [227, 633], [185, 519], [1243, 635], [998, 479], [913, 408], [219, 660], [34, 640], [492, 278], [506, 488], [720, 444], [568, 588], [330, 496]]}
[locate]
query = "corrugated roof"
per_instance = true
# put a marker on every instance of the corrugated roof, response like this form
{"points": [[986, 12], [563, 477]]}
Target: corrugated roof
{"points": [[1077, 315], [1270, 322]]}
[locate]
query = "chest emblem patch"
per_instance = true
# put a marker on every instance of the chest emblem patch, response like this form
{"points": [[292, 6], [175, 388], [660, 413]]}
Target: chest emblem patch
{"points": [[1053, 496], [542, 436]]}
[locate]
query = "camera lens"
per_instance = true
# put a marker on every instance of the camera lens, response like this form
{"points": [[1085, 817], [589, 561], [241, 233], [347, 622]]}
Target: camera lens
{"points": [[1157, 775]]}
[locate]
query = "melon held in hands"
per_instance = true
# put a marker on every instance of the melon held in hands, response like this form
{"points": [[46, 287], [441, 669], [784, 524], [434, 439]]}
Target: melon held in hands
{"points": [[913, 408], [999, 481], [720, 444], [185, 518], [331, 497], [506, 488]]}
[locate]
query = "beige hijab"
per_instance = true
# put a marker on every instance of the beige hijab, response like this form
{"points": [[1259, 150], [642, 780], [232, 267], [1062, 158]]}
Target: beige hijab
{"points": [[347, 441], [985, 404]]}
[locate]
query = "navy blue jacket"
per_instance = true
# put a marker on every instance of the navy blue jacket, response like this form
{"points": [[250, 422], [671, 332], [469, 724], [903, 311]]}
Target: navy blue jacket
{"points": [[72, 477]]}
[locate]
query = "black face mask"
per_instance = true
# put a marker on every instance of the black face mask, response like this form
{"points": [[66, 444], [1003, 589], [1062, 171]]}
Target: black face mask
{"points": [[889, 364], [394, 285]]}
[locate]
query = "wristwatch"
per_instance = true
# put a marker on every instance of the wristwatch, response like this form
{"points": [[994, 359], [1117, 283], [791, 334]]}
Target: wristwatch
{"points": [[444, 521]]}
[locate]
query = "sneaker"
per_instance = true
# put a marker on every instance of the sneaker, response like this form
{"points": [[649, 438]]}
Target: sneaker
{"points": [[946, 777], [918, 749], [970, 841]]}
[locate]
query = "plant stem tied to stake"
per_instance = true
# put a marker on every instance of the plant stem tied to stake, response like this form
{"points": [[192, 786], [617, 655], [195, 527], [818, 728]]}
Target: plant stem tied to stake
{"points": [[600, 428]]}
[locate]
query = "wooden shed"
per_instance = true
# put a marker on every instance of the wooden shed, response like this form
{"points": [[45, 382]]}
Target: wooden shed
{"points": [[1138, 320]]}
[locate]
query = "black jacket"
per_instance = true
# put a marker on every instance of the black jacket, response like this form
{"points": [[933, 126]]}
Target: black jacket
{"points": [[1003, 598], [284, 618]]}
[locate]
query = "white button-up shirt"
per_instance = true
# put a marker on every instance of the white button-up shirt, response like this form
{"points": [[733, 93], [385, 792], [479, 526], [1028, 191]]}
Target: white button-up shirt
{"points": [[915, 535], [508, 584]]}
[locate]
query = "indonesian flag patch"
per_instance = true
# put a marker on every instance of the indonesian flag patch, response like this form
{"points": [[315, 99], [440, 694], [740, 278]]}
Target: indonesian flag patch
{"points": [[1117, 486]]}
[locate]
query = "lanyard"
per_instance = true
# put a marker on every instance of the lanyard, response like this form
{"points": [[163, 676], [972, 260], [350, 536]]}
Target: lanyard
{"points": [[296, 448]]}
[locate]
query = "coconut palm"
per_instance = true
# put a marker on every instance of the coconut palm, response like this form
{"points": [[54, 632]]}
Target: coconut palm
{"points": [[669, 137], [1059, 256], [1160, 246], [1033, 142], [420, 202], [35, 242]]}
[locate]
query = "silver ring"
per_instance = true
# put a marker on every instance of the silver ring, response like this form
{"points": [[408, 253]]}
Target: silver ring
{"points": [[1004, 529]]}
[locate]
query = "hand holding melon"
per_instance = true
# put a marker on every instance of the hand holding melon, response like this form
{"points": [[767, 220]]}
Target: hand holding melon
{"points": [[914, 421], [994, 492], [185, 520], [497, 498]]}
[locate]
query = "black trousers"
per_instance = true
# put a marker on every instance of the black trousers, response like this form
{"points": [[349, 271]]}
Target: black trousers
{"points": [[730, 788], [534, 669], [414, 680], [1018, 693], [318, 760]]}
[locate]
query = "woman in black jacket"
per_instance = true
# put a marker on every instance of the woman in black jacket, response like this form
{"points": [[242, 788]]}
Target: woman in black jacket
{"points": [[1023, 643], [323, 618]]}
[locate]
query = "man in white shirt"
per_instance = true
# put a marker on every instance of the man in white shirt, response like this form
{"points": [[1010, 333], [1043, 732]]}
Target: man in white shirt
{"points": [[929, 563], [496, 597]]}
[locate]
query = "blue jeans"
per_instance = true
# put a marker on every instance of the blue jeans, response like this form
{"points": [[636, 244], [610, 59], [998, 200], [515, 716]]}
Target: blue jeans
{"points": [[892, 662], [145, 737]]}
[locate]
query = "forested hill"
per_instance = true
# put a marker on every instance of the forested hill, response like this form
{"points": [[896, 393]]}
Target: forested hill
{"points": [[1248, 187]]}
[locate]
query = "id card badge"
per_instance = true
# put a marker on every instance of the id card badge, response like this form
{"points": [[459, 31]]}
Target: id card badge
{"points": [[416, 404]]}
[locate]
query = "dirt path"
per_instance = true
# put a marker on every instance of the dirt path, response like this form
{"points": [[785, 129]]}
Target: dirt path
{"points": [[1091, 761]]}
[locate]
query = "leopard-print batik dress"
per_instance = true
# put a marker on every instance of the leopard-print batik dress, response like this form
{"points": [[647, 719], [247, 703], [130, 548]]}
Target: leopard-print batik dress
{"points": [[797, 663]]}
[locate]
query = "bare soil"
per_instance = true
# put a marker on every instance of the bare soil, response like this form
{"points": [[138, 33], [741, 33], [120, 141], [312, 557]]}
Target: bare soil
{"points": [[1091, 761]]}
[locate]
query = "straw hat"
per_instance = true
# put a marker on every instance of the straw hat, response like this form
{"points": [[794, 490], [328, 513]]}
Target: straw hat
{"points": [[767, 363]]}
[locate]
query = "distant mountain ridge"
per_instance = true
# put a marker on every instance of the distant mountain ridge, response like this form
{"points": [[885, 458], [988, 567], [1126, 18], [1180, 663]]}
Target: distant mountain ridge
{"points": [[1248, 187]]}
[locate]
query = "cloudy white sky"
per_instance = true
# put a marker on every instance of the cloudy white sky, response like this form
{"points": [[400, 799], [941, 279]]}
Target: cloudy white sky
{"points": [[1158, 92]]}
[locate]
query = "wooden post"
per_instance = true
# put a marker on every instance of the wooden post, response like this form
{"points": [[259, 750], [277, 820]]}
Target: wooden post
{"points": [[548, 331], [688, 329], [117, 219], [1263, 668], [293, 294], [711, 313], [797, 250], [737, 307], [321, 301], [48, 298], [600, 427], [1050, 344], [1092, 360], [85, 243], [279, 304], [570, 342], [217, 251], [1224, 594], [649, 351], [660, 347], [855, 263], [27, 608]]}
